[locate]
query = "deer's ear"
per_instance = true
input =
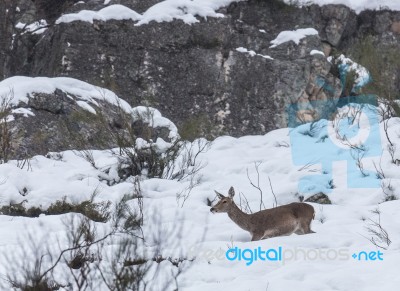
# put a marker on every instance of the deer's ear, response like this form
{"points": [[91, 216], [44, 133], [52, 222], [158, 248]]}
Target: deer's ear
{"points": [[220, 196], [231, 192]]}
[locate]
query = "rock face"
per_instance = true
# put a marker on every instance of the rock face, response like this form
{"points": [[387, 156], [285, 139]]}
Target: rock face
{"points": [[54, 114], [195, 75], [59, 123]]}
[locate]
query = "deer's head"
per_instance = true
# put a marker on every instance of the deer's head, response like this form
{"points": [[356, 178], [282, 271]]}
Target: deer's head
{"points": [[225, 203]]}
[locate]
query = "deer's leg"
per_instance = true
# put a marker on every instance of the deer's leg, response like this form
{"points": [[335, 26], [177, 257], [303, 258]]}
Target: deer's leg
{"points": [[305, 226], [256, 236]]}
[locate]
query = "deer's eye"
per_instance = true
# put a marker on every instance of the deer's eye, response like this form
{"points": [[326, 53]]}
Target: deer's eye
{"points": [[224, 202]]}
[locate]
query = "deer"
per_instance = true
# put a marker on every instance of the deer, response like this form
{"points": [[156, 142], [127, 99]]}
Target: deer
{"points": [[283, 220]]}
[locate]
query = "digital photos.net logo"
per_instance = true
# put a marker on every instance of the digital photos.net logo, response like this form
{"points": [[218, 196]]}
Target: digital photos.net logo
{"points": [[249, 256], [281, 255], [349, 133]]}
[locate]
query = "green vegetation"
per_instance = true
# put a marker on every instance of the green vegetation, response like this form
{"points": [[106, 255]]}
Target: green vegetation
{"points": [[348, 83], [196, 126], [97, 212], [383, 66]]}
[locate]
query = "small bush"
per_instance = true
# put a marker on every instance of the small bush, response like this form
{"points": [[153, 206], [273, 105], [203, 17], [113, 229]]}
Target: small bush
{"points": [[391, 197], [382, 65], [195, 127], [83, 264], [98, 212]]}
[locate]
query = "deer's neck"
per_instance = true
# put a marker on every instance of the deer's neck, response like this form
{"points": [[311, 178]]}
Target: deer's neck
{"points": [[239, 217]]}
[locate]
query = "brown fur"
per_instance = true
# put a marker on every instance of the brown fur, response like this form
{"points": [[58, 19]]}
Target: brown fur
{"points": [[396, 27], [279, 221]]}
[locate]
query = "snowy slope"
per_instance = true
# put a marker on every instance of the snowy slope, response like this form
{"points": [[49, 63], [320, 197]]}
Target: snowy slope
{"points": [[339, 227]]}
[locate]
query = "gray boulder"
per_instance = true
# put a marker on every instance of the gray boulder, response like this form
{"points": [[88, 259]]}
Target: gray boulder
{"points": [[41, 115], [319, 198]]}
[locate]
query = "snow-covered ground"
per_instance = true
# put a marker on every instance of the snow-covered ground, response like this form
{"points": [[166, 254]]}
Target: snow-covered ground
{"points": [[340, 228]]}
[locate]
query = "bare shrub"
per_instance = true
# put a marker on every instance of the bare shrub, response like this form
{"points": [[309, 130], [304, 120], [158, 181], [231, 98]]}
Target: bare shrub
{"points": [[187, 167], [257, 186], [379, 237], [109, 259], [388, 191]]}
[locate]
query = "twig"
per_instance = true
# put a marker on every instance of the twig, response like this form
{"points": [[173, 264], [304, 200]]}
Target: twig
{"points": [[256, 166], [273, 193]]}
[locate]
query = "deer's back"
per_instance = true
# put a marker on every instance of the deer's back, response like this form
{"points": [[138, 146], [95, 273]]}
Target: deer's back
{"points": [[285, 214], [300, 209]]}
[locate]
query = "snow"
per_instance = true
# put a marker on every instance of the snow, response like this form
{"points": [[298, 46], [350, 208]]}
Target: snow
{"points": [[347, 65], [165, 11], [356, 5], [86, 106], [154, 118], [188, 10], [363, 76], [252, 53], [292, 35], [26, 112], [244, 50], [37, 27], [116, 11], [317, 52], [340, 227], [184, 10], [19, 89]]}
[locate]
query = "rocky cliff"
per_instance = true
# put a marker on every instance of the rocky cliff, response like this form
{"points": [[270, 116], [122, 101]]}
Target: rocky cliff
{"points": [[217, 76]]}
